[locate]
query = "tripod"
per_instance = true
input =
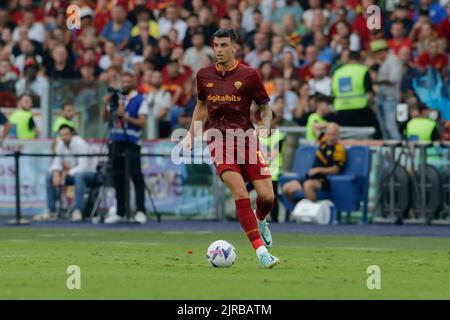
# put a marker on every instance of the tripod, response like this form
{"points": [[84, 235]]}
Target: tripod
{"points": [[112, 119], [419, 192]]}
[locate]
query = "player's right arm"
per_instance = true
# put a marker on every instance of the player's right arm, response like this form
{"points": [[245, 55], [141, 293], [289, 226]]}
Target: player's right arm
{"points": [[198, 120]]}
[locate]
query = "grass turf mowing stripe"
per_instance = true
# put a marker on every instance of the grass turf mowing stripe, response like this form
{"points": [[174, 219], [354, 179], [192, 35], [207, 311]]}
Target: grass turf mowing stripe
{"points": [[118, 264]]}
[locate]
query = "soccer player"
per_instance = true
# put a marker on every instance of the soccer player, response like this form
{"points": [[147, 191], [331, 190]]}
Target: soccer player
{"points": [[225, 92]]}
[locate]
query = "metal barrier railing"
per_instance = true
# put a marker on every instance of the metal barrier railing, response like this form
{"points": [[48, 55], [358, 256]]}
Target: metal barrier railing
{"points": [[17, 155]]}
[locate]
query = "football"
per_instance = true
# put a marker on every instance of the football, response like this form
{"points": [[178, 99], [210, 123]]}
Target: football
{"points": [[221, 254]]}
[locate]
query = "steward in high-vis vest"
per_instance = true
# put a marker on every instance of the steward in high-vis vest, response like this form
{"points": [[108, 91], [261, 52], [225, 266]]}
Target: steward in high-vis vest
{"points": [[424, 129], [351, 89], [273, 146], [66, 118], [316, 121], [420, 127], [22, 123]]}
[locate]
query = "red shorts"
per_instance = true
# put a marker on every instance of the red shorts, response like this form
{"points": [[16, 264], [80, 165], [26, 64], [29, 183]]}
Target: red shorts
{"points": [[251, 167]]}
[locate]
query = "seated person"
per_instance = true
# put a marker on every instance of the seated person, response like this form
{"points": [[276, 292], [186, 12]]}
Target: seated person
{"points": [[78, 171], [330, 158]]}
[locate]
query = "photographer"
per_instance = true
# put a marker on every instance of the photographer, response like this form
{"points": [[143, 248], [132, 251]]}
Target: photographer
{"points": [[127, 113]]}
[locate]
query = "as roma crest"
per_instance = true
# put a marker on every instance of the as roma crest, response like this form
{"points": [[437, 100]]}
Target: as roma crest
{"points": [[237, 84]]}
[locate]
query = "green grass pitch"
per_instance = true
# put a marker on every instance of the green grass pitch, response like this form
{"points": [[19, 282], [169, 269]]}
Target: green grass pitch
{"points": [[123, 264]]}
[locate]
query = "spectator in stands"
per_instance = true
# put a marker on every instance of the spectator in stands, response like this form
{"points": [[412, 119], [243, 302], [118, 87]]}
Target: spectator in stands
{"points": [[253, 58], [344, 39], [36, 30], [401, 14], [60, 67], [321, 82], [304, 105], [291, 7], [209, 27], [330, 158], [162, 57], [5, 20], [159, 102], [388, 83], [398, 39], [311, 58], [174, 77], [78, 171], [143, 15], [325, 53], [288, 69], [142, 40], [7, 76], [119, 28], [267, 71], [316, 121], [171, 20], [23, 126], [194, 55], [436, 12], [257, 19], [27, 50], [193, 26], [32, 84], [289, 97], [314, 7], [106, 59], [66, 118], [432, 58]]}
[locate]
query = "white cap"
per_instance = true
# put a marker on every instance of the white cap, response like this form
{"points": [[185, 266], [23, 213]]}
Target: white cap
{"points": [[86, 11]]}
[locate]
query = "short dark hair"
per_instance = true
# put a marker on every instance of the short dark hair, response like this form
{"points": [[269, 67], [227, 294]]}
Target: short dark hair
{"points": [[322, 98], [354, 55], [66, 126], [226, 33]]}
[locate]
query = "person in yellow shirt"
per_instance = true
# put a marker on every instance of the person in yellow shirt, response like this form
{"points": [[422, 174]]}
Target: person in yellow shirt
{"points": [[143, 14], [23, 126]]}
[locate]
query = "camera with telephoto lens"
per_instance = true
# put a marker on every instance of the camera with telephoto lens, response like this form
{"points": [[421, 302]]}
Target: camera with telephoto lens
{"points": [[114, 100]]}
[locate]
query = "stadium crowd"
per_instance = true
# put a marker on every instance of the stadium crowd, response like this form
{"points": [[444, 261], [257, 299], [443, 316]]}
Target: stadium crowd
{"points": [[297, 45]]}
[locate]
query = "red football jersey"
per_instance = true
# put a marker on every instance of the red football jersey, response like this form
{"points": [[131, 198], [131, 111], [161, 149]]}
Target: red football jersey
{"points": [[229, 95]]}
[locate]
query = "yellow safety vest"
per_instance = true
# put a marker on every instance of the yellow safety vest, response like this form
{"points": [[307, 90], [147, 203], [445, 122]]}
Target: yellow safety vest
{"points": [[348, 87], [272, 143], [420, 129], [20, 120]]}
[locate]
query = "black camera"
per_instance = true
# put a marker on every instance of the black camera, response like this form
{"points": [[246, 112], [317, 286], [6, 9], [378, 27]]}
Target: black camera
{"points": [[114, 100]]}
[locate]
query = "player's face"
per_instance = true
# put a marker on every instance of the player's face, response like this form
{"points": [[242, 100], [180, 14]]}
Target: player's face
{"points": [[224, 50]]}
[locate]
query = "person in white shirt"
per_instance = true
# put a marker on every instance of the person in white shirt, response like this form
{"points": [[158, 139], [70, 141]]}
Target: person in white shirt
{"points": [[321, 83], [36, 30], [194, 56], [159, 102], [78, 171], [170, 21]]}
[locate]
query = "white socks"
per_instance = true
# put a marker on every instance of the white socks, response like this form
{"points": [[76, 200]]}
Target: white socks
{"points": [[261, 250]]}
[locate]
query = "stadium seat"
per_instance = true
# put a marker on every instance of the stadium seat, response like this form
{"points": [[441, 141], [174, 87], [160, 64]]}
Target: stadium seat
{"points": [[303, 161], [348, 189], [351, 187]]}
